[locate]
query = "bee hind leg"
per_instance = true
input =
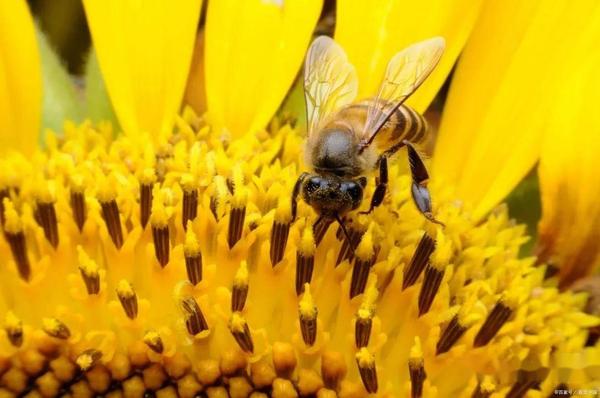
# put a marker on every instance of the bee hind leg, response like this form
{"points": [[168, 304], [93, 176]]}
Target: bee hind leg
{"points": [[420, 177], [381, 187]]}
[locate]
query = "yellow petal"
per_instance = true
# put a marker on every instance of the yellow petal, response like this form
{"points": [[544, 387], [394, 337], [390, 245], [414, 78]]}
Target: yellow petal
{"points": [[254, 50], [144, 49], [195, 90], [371, 32], [504, 84], [569, 164], [20, 79]]}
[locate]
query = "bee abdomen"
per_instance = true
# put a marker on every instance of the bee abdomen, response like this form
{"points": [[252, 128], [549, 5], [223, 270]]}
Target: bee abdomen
{"points": [[407, 124]]}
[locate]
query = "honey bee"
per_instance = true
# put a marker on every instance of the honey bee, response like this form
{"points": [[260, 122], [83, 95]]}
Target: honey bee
{"points": [[348, 139]]}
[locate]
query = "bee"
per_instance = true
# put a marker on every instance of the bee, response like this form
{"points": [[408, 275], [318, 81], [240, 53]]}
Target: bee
{"points": [[348, 139]]}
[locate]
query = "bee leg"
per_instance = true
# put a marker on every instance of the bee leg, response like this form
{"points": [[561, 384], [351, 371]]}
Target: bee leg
{"points": [[295, 194], [381, 187], [420, 177]]}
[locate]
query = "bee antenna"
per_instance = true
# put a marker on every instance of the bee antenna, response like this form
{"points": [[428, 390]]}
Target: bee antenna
{"points": [[345, 231]]}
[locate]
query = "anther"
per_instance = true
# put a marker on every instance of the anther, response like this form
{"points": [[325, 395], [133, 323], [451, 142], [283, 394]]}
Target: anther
{"points": [[14, 329], [305, 260], [89, 271], [365, 257], [87, 359], [431, 284], [453, 331], [416, 369], [217, 198], [194, 319], [526, 381], [364, 318], [418, 261], [153, 341], [48, 222], [494, 321], [190, 199], [308, 317], [112, 219], [77, 201], [280, 231], [367, 369], [193, 256], [240, 288], [346, 248], [128, 298], [237, 216], [13, 231], [55, 328], [484, 388], [320, 228], [160, 230], [241, 332], [147, 180]]}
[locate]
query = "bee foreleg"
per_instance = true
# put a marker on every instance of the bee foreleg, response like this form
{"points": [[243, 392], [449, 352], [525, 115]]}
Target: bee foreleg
{"points": [[381, 187], [420, 177], [295, 193]]}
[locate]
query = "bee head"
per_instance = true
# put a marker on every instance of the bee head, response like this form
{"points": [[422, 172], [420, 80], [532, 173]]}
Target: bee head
{"points": [[330, 195]]}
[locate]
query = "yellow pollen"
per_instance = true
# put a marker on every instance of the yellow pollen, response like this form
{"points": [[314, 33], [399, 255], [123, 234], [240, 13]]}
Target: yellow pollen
{"points": [[241, 276], [307, 305], [160, 213], [107, 190], [416, 352], [367, 307], [306, 246], [283, 214], [12, 223], [124, 289], [12, 322], [44, 192], [365, 358], [188, 182], [364, 251], [86, 264], [147, 176], [487, 384], [237, 323], [191, 246], [443, 251]]}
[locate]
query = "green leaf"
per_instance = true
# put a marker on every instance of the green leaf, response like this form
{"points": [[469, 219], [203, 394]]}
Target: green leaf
{"points": [[524, 205], [98, 106]]}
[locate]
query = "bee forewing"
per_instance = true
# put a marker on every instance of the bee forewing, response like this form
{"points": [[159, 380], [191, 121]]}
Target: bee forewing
{"points": [[405, 72], [330, 81]]}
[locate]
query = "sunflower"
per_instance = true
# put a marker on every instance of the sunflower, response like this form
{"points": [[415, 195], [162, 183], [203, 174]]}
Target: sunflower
{"points": [[158, 256]]}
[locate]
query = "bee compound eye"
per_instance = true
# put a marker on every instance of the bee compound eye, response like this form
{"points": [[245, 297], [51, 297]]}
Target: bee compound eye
{"points": [[312, 184], [354, 190]]}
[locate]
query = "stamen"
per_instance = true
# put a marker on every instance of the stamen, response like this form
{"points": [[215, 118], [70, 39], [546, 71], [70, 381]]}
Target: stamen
{"points": [[128, 298], [280, 231], [13, 231], [89, 271], [153, 341], [4, 193], [240, 288], [418, 261], [87, 359], [485, 388], [416, 369], [305, 260], [365, 258], [494, 321], [431, 284], [190, 199], [77, 201], [346, 249], [241, 332], [160, 230], [55, 328], [454, 330], [366, 367], [193, 256], [112, 219], [147, 180], [364, 318], [525, 381], [237, 216], [14, 329], [320, 228], [333, 369], [308, 317], [194, 319]]}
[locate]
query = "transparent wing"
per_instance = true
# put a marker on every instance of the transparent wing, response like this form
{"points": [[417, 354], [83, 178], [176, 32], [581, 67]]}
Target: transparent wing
{"points": [[330, 81], [405, 72]]}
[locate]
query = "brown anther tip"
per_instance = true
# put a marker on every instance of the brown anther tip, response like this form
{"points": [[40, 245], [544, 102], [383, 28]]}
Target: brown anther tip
{"points": [[346, 252], [160, 236], [189, 207], [279, 237], [112, 219], [193, 266], [499, 315], [145, 203], [320, 228], [526, 380], [236, 225], [308, 327], [418, 261], [238, 297], [368, 375], [18, 248], [362, 332], [333, 368], [153, 340], [55, 328], [88, 358], [241, 332], [417, 374], [15, 334], [453, 331], [360, 274], [128, 299], [78, 209], [431, 284], [304, 270], [47, 219], [194, 319]]}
